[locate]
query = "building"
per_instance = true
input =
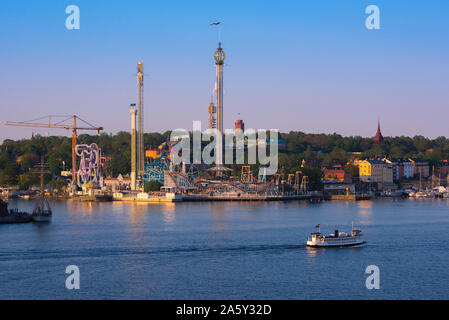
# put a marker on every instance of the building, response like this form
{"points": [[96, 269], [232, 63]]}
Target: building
{"points": [[442, 168], [335, 188], [336, 174], [402, 168], [119, 183], [239, 125], [378, 139], [406, 169], [420, 167], [375, 171]]}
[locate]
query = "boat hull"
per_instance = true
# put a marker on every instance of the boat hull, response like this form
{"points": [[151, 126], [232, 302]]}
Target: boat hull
{"points": [[41, 218], [335, 245], [14, 219]]}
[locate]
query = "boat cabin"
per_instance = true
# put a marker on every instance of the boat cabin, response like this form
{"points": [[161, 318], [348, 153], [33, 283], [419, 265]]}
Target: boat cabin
{"points": [[315, 235]]}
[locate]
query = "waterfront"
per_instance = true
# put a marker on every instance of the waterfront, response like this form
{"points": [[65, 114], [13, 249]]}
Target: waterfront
{"points": [[226, 250]]}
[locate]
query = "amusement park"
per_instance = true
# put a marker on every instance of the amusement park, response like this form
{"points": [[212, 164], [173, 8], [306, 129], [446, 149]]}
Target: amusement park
{"points": [[156, 177]]}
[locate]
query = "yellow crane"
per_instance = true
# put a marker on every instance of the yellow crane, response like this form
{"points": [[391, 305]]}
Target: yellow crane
{"points": [[60, 125]]}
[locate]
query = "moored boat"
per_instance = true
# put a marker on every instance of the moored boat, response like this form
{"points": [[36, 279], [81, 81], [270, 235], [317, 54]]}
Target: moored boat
{"points": [[421, 194], [12, 215], [42, 213]]}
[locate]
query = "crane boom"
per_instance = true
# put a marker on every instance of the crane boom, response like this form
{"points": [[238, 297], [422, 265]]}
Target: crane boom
{"points": [[72, 127], [45, 125]]}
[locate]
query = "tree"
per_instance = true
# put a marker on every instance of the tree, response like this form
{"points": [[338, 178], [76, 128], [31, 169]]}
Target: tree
{"points": [[27, 180], [152, 186], [315, 175]]}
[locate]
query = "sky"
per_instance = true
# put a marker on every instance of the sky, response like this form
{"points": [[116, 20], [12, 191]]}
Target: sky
{"points": [[302, 65]]}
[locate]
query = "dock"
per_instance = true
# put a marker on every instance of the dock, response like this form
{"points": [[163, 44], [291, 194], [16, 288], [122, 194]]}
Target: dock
{"points": [[349, 197], [245, 197]]}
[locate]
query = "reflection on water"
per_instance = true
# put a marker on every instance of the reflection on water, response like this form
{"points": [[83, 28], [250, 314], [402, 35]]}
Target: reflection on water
{"points": [[365, 208], [168, 211], [220, 219], [312, 252], [225, 250]]}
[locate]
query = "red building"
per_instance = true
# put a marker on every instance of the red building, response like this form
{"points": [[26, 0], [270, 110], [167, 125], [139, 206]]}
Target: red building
{"points": [[336, 173], [239, 125]]}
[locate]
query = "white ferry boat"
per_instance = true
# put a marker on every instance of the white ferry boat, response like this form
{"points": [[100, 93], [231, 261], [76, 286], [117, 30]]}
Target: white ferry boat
{"points": [[336, 239]]}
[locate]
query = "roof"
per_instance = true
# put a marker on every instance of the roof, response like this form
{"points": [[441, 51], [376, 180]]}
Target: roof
{"points": [[418, 160], [377, 162]]}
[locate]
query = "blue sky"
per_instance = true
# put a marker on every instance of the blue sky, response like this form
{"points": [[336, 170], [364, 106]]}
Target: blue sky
{"points": [[306, 65]]}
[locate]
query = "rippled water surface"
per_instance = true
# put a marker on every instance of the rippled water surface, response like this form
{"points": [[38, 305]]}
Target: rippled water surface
{"points": [[227, 251]]}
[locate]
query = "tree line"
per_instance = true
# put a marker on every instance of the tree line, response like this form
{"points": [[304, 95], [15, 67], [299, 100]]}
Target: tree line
{"points": [[299, 152]]}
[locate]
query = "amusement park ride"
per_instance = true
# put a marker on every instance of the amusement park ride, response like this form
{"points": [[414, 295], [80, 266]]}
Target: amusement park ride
{"points": [[89, 171], [197, 179], [203, 179]]}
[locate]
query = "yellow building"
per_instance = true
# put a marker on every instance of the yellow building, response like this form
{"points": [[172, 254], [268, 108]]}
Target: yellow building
{"points": [[375, 171]]}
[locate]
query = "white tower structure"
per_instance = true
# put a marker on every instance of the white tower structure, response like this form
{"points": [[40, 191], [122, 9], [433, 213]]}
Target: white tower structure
{"points": [[219, 57], [133, 148]]}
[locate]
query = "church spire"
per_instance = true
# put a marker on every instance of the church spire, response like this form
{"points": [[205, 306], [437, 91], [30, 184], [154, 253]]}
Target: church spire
{"points": [[378, 138]]}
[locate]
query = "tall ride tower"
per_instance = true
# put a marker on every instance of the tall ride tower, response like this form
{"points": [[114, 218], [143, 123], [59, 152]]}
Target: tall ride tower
{"points": [[140, 150], [219, 57], [133, 148]]}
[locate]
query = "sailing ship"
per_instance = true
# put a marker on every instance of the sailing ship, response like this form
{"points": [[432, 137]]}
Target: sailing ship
{"points": [[42, 212]]}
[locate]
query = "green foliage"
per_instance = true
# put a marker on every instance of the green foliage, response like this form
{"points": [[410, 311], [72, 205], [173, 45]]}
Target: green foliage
{"points": [[152, 186], [27, 180], [60, 183], [314, 175], [18, 157]]}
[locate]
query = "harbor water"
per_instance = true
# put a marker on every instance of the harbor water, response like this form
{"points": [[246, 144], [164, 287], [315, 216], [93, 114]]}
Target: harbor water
{"points": [[227, 250]]}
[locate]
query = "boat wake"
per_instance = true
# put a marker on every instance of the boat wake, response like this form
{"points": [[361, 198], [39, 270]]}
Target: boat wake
{"points": [[108, 252]]}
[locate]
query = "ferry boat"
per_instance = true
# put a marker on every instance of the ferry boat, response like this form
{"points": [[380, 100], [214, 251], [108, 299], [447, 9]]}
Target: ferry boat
{"points": [[336, 239]]}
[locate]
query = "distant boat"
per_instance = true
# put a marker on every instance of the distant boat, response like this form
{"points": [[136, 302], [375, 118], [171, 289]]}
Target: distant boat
{"points": [[420, 194], [336, 239], [42, 213], [12, 215], [397, 193]]}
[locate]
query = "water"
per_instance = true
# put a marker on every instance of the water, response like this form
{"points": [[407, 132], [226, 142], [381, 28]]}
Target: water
{"points": [[226, 251]]}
